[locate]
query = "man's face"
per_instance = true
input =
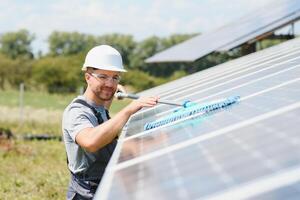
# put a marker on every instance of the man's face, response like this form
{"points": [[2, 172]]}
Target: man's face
{"points": [[103, 83]]}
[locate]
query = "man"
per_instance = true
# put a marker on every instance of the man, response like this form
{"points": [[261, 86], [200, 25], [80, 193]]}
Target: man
{"points": [[89, 135]]}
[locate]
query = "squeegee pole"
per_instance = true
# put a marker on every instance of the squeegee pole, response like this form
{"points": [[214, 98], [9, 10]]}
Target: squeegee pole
{"points": [[168, 102], [134, 96]]}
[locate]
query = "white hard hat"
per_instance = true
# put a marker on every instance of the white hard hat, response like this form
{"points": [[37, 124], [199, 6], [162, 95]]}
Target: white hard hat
{"points": [[104, 57]]}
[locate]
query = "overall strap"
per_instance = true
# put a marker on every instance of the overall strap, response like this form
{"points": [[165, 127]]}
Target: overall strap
{"points": [[96, 113], [110, 147]]}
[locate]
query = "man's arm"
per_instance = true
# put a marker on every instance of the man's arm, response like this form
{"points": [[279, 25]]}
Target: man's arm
{"points": [[92, 139]]}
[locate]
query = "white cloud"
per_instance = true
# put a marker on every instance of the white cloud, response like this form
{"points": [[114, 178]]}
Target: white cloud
{"points": [[139, 18]]}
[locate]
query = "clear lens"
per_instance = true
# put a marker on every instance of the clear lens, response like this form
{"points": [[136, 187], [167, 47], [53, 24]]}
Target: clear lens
{"points": [[104, 77]]}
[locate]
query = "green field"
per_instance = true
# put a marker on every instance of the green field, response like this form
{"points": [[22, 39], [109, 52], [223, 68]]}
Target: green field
{"points": [[41, 100], [34, 169], [41, 113]]}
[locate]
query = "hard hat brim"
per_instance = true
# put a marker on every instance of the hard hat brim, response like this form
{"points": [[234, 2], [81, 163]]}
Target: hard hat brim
{"points": [[110, 68]]}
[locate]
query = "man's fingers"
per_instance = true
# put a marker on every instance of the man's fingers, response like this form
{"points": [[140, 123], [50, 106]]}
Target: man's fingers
{"points": [[121, 88], [148, 101]]}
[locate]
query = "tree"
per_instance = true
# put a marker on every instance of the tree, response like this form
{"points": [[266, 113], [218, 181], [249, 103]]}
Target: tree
{"points": [[143, 50], [5, 64], [20, 72], [65, 44], [58, 74], [123, 43], [14, 72], [17, 44], [139, 80]]}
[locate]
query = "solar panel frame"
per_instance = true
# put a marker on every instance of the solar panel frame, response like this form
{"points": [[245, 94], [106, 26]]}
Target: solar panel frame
{"points": [[277, 82]]}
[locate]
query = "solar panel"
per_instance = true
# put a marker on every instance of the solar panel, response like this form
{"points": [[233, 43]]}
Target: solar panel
{"points": [[267, 19], [245, 151]]}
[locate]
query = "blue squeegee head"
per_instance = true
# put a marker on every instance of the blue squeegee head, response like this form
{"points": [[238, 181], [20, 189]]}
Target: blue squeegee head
{"points": [[191, 109]]}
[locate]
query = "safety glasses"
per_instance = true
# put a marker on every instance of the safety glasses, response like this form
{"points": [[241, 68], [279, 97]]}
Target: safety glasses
{"points": [[106, 78]]}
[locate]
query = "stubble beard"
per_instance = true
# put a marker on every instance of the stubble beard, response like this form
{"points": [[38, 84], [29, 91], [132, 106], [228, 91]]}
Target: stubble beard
{"points": [[104, 95]]}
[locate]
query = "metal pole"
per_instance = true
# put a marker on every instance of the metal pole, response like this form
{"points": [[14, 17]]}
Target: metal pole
{"points": [[21, 103], [121, 95]]}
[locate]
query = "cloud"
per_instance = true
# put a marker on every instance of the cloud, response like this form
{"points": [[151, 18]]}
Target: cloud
{"points": [[139, 18]]}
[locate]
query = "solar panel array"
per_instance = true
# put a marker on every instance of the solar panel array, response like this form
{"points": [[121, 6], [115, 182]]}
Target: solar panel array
{"points": [[246, 151], [267, 19]]}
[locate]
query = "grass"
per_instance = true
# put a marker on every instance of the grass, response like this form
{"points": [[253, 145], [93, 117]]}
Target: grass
{"points": [[35, 169], [37, 100], [41, 100], [42, 112]]}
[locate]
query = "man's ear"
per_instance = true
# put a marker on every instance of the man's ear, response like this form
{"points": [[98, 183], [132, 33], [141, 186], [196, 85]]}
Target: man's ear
{"points": [[87, 76]]}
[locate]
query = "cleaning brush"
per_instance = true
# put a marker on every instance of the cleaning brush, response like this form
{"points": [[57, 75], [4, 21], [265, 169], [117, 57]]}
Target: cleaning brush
{"points": [[191, 109]]}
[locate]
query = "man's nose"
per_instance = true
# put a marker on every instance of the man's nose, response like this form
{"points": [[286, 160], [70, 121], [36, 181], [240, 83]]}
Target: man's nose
{"points": [[110, 82]]}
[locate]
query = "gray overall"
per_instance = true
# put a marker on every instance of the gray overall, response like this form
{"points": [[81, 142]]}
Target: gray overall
{"points": [[86, 168]]}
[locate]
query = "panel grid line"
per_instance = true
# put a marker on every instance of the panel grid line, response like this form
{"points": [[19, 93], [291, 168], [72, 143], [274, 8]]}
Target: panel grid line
{"points": [[211, 135]]}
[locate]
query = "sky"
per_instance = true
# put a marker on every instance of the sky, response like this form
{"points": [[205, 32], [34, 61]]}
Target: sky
{"points": [[139, 18]]}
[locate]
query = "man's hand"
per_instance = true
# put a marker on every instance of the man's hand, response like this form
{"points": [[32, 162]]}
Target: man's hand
{"points": [[138, 104], [120, 88]]}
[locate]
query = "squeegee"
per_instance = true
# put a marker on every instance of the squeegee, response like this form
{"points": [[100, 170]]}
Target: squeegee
{"points": [[187, 110]]}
